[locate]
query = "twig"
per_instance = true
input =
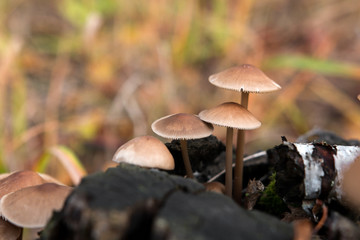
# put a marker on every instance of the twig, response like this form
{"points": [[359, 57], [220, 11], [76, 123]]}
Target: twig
{"points": [[256, 157]]}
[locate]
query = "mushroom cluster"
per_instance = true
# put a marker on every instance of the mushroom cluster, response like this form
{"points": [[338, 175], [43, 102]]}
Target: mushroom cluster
{"points": [[245, 79], [149, 152], [27, 200]]}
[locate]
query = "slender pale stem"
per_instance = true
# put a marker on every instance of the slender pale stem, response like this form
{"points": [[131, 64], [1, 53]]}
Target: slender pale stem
{"points": [[238, 179], [228, 162], [185, 156]]}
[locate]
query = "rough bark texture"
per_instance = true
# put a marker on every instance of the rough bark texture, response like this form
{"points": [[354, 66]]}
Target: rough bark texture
{"points": [[308, 171], [203, 154], [289, 174], [128, 202]]}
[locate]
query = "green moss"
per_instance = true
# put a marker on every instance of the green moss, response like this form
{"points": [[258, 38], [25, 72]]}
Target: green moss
{"points": [[270, 202]]}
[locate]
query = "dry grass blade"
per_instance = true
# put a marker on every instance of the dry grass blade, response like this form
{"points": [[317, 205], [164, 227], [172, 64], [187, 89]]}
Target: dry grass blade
{"points": [[71, 163]]}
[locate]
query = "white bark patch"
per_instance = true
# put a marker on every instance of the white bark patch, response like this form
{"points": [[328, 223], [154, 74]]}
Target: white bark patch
{"points": [[344, 157], [313, 171]]}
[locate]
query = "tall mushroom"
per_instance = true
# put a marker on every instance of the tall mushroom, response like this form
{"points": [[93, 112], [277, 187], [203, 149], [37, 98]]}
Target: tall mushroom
{"points": [[245, 79], [230, 115], [182, 126], [145, 151]]}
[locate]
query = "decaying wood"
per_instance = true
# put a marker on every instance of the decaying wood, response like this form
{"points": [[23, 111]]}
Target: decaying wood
{"points": [[311, 171], [253, 193], [128, 202]]}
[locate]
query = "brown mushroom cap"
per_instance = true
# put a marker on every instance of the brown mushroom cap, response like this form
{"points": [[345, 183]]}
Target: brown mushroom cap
{"points": [[31, 207], [246, 78], [145, 151], [182, 126], [4, 175], [231, 115], [216, 187], [18, 180], [8, 230]]}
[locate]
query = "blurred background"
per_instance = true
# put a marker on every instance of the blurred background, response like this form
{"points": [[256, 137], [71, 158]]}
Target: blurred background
{"points": [[79, 78]]}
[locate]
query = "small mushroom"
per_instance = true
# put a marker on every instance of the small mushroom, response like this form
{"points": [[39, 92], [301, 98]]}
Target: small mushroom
{"points": [[31, 207], [246, 79], [145, 151], [182, 126], [18, 180], [216, 187], [230, 115]]}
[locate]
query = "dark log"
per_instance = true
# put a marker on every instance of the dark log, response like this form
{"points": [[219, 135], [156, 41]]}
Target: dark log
{"points": [[203, 154], [338, 227], [129, 202]]}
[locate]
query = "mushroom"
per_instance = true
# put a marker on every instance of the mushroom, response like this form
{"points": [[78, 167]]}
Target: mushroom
{"points": [[11, 182], [31, 207], [182, 126], [145, 151], [216, 187], [18, 180], [246, 79], [230, 115]]}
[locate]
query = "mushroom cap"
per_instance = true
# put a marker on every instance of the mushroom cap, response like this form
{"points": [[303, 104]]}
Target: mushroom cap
{"points": [[182, 126], [246, 78], [8, 230], [31, 207], [18, 180], [231, 115], [145, 151], [4, 175]]}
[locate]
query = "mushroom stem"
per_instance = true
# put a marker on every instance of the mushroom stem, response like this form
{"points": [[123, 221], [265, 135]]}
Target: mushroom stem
{"points": [[244, 99], [239, 164], [228, 162], [238, 179], [185, 156], [21, 234]]}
